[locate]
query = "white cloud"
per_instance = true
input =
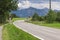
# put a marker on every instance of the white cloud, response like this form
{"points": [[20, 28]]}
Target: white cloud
{"points": [[24, 4], [39, 6], [56, 5], [27, 4], [19, 5]]}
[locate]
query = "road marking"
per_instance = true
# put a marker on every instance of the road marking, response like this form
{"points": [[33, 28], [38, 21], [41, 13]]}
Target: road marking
{"points": [[28, 32]]}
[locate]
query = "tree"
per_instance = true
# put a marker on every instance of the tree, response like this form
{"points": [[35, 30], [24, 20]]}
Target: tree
{"points": [[58, 17], [14, 16], [51, 17], [35, 17], [7, 6], [41, 18]]}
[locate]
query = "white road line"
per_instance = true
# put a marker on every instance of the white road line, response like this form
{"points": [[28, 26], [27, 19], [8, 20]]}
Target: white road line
{"points": [[28, 32]]}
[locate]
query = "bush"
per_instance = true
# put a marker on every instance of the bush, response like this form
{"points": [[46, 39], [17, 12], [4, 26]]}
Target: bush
{"points": [[35, 17], [58, 17], [2, 19], [51, 17], [41, 18], [14, 16]]}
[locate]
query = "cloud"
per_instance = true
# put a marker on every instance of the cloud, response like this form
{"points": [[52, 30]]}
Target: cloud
{"points": [[24, 4], [56, 5], [27, 4], [37, 1]]}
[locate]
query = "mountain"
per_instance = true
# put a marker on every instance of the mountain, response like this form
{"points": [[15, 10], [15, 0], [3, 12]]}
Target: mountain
{"points": [[30, 11]]}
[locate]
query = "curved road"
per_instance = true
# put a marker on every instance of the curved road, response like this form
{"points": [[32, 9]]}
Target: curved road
{"points": [[40, 31]]}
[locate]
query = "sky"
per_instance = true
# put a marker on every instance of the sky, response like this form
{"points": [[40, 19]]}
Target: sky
{"points": [[39, 4]]}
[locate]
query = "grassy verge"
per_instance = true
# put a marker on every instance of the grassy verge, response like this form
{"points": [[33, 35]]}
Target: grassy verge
{"points": [[53, 25], [10, 32], [14, 19], [3, 23]]}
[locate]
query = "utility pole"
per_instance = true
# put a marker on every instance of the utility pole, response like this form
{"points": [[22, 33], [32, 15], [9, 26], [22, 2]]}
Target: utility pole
{"points": [[49, 4]]}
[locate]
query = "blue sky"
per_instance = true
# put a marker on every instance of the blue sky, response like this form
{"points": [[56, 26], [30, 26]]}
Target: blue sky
{"points": [[39, 4]]}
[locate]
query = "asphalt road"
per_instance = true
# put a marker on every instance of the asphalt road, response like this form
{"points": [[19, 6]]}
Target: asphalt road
{"points": [[40, 31]]}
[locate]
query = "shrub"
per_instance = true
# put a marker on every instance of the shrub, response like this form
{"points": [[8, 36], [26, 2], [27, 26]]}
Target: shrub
{"points": [[41, 18], [58, 17], [35, 17], [51, 17], [2, 19]]}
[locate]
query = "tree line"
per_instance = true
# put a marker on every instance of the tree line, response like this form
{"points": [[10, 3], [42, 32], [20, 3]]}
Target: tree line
{"points": [[51, 17]]}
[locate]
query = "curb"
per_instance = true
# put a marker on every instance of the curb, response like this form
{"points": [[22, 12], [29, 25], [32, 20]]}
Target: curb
{"points": [[28, 32]]}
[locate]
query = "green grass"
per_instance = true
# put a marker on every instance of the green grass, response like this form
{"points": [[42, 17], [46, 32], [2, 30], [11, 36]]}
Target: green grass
{"points": [[10, 32], [14, 19], [42, 23], [3, 23]]}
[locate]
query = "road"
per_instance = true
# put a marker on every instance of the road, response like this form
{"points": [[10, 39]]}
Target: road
{"points": [[40, 31], [0, 33]]}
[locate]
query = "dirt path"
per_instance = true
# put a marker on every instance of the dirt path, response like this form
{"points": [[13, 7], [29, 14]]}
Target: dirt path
{"points": [[1, 32]]}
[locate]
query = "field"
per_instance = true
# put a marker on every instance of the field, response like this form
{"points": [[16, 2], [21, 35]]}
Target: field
{"points": [[14, 19], [42, 23]]}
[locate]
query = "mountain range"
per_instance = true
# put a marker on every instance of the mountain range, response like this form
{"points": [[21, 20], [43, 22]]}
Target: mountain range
{"points": [[30, 11]]}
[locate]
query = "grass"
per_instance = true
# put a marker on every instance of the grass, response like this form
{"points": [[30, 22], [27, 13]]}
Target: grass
{"points": [[14, 19], [10, 32], [3, 23], [42, 23]]}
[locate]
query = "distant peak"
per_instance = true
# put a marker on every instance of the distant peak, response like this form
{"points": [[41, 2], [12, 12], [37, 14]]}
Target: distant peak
{"points": [[30, 7]]}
